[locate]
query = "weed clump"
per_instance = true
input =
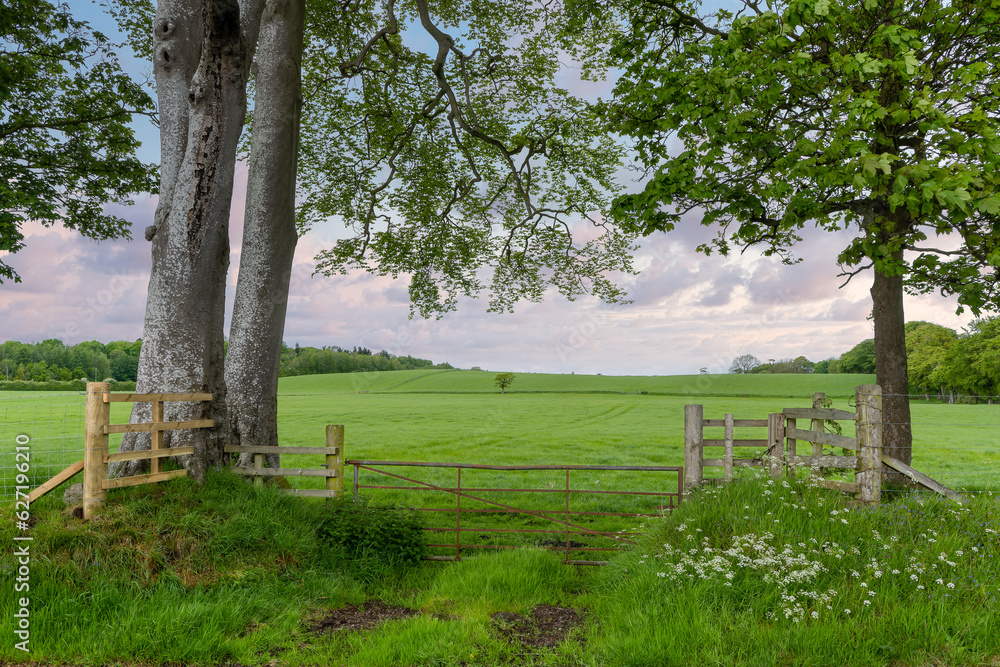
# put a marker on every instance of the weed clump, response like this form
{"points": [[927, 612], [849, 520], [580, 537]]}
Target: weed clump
{"points": [[372, 537]]}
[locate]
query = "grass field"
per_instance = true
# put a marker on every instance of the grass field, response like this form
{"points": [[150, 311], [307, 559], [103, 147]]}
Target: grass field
{"points": [[759, 573], [458, 416]]}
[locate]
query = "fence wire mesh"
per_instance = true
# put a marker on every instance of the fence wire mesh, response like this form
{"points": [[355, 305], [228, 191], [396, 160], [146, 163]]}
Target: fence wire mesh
{"points": [[43, 430]]}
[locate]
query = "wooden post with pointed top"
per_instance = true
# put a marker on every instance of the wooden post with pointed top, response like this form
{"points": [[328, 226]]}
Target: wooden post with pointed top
{"points": [[95, 447]]}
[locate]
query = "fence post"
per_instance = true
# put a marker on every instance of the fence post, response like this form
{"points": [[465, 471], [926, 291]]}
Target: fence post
{"points": [[335, 462], [727, 463], [693, 447], [156, 437], [817, 424], [95, 447], [868, 399], [776, 436], [258, 463]]}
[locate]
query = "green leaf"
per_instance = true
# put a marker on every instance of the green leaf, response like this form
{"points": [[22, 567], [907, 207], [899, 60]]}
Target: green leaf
{"points": [[990, 205]]}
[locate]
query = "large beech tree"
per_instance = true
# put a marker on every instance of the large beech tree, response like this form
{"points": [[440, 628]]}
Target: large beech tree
{"points": [[444, 163], [878, 116]]}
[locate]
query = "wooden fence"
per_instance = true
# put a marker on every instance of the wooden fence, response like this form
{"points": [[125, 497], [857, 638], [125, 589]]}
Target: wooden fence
{"points": [[96, 456], [98, 426], [95, 443], [333, 472], [780, 448]]}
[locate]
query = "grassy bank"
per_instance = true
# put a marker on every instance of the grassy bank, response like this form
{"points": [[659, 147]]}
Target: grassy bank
{"points": [[758, 573]]}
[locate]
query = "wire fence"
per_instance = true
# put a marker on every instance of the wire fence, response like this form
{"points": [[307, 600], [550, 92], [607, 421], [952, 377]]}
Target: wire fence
{"points": [[40, 435]]}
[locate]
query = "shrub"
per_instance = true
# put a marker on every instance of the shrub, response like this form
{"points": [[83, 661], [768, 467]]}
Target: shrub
{"points": [[372, 534]]}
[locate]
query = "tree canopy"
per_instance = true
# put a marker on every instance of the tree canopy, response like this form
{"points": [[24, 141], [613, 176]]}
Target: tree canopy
{"points": [[66, 147], [504, 380], [877, 116], [443, 136], [745, 363]]}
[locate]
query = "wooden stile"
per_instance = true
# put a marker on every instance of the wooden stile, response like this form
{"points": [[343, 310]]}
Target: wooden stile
{"points": [[333, 454]]}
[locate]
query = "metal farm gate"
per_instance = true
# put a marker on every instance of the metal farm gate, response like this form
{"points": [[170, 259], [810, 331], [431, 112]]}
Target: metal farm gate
{"points": [[554, 510]]}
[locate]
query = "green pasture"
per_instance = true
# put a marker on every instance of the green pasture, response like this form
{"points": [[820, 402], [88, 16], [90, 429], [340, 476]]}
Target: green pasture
{"points": [[458, 416], [229, 573]]}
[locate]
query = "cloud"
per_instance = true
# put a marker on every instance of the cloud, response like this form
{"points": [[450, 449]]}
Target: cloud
{"points": [[688, 311]]}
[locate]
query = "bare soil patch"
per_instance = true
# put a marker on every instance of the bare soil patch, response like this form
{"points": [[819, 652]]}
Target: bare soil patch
{"points": [[364, 617], [547, 627]]}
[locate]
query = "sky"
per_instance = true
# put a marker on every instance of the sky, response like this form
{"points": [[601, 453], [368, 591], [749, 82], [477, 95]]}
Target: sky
{"points": [[689, 311]]}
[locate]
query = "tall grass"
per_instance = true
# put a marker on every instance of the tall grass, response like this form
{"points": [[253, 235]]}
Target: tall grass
{"points": [[767, 572], [171, 573], [760, 572]]}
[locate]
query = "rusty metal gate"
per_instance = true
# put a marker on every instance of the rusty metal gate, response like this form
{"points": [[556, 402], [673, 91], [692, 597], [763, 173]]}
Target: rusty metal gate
{"points": [[473, 502]]}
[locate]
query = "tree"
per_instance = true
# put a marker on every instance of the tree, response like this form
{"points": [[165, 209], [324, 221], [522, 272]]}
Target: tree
{"points": [[504, 380], [66, 147], [202, 51], [860, 358], [926, 347], [505, 163], [878, 116], [745, 363], [460, 160]]}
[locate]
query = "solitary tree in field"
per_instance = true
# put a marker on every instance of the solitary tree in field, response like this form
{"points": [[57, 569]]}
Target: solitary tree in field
{"points": [[504, 380], [745, 363], [878, 116], [66, 145]]}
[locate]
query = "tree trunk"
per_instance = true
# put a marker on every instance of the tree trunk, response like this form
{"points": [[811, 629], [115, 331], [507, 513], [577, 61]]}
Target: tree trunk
{"points": [[269, 233], [890, 365], [202, 54]]}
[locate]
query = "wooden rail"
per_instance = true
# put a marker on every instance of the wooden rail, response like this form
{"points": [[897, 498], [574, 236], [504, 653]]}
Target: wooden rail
{"points": [[333, 472], [99, 426], [781, 447]]}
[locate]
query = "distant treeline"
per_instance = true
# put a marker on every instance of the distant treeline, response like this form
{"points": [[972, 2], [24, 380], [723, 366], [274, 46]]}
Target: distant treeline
{"points": [[941, 362], [312, 361], [52, 365]]}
